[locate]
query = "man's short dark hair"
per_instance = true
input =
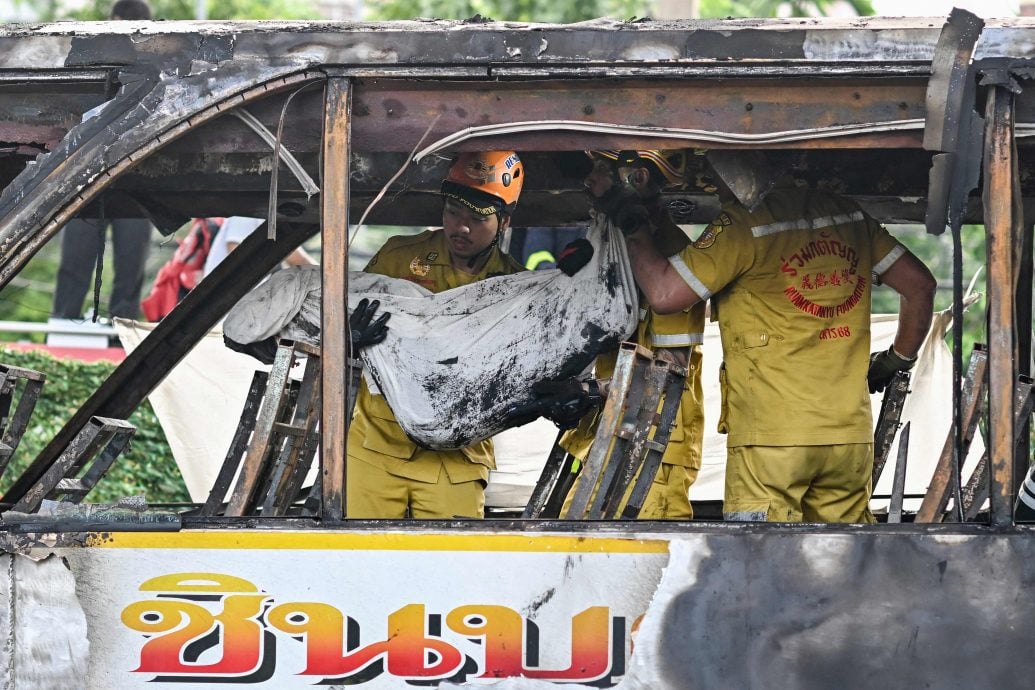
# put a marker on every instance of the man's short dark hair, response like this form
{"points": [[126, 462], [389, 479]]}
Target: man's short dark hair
{"points": [[131, 9]]}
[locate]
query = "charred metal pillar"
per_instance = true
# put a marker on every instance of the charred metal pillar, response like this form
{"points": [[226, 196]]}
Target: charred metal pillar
{"points": [[335, 224], [1003, 237], [953, 128], [1023, 318]]}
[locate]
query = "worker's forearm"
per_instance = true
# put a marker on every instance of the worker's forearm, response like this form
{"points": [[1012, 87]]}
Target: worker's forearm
{"points": [[914, 320], [656, 278]]}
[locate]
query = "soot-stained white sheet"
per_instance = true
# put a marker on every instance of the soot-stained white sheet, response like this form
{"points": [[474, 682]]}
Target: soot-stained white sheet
{"points": [[453, 362]]}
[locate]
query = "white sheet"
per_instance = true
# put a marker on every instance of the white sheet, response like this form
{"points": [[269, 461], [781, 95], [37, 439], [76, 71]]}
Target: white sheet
{"points": [[198, 404], [454, 361]]}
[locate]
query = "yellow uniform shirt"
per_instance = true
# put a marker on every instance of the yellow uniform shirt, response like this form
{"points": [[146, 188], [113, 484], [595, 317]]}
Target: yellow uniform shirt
{"points": [[375, 436], [790, 286]]}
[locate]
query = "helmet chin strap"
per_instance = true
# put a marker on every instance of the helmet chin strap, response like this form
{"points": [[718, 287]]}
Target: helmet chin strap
{"points": [[495, 240]]}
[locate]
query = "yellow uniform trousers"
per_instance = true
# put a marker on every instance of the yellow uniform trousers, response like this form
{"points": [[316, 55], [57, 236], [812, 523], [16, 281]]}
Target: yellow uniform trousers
{"points": [[388, 475], [374, 492], [799, 483]]}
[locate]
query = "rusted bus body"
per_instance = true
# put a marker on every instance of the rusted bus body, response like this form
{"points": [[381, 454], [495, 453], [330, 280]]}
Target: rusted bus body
{"points": [[845, 104]]}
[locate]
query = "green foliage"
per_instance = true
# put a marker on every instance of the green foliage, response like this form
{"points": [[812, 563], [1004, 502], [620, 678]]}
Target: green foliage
{"points": [[936, 253], [146, 467], [501, 10], [580, 10], [508, 10], [29, 295], [97, 10], [778, 8]]}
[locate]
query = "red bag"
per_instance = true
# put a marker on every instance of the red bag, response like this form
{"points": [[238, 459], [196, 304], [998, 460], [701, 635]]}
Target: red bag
{"points": [[181, 273]]}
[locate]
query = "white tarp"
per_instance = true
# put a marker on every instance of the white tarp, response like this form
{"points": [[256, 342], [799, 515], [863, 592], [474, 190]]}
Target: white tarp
{"points": [[454, 361], [198, 404]]}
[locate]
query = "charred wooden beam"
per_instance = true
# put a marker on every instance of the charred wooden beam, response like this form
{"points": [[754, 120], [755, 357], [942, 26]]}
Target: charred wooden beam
{"points": [[1002, 232], [334, 326]]}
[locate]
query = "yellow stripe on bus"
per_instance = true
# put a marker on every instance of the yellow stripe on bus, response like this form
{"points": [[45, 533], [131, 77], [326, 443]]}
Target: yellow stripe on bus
{"points": [[230, 539]]}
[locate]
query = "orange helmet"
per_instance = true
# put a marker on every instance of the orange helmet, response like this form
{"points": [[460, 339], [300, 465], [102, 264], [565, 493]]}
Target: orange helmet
{"points": [[671, 164], [487, 182]]}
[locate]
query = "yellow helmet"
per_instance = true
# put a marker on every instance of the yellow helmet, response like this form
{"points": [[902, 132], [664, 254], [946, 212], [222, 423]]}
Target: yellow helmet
{"points": [[487, 182], [670, 164]]}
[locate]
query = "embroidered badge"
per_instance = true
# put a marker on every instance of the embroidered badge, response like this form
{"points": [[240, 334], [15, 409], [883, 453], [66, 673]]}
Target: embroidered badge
{"points": [[431, 256], [708, 237], [418, 267], [723, 220]]}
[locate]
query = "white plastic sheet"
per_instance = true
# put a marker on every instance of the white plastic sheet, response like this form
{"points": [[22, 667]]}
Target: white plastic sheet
{"points": [[198, 403], [454, 361]]}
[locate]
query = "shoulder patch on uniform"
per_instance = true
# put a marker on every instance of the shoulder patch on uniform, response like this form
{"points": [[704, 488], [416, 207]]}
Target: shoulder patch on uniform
{"points": [[723, 219], [431, 256], [709, 235], [418, 267]]}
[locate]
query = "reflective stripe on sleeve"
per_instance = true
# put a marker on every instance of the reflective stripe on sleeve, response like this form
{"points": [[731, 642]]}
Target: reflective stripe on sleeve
{"points": [[688, 277], [806, 223], [677, 340], [892, 256]]}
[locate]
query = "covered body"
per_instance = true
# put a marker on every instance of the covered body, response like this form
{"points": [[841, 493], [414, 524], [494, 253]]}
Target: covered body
{"points": [[453, 362]]}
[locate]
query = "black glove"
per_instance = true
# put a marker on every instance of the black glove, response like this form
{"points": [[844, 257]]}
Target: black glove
{"points": [[631, 218], [563, 402], [623, 205], [262, 350], [884, 366], [574, 256], [364, 328]]}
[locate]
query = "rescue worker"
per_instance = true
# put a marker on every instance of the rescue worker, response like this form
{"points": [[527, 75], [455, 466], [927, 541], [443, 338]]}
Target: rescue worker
{"points": [[619, 182], [388, 475], [788, 276]]}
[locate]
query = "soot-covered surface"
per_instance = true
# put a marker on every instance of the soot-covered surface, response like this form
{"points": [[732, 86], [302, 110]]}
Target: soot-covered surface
{"points": [[455, 361], [865, 610]]}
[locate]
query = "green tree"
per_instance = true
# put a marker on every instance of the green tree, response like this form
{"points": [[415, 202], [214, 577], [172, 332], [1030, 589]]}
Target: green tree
{"points": [[97, 10], [580, 10], [775, 8], [508, 10]]}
